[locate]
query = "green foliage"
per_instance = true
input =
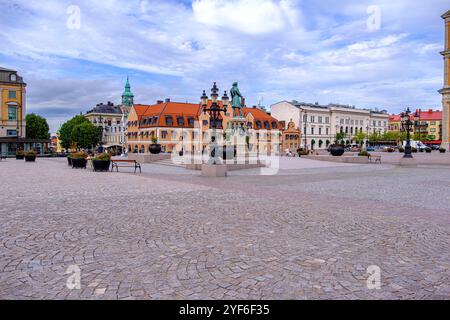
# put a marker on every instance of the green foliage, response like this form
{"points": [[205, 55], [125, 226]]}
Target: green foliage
{"points": [[154, 139], [364, 154], [103, 157], [391, 136], [79, 155], [36, 127], [85, 135], [30, 153], [20, 153], [340, 136], [360, 137], [430, 137], [65, 132]]}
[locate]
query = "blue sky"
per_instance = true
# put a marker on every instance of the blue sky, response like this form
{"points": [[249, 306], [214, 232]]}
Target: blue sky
{"points": [[313, 51]]}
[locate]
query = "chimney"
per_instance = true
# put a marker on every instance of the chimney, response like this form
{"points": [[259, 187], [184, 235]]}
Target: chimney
{"points": [[159, 102], [254, 107], [167, 100]]}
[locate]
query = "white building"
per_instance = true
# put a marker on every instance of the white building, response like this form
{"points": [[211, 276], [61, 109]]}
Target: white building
{"points": [[320, 124]]}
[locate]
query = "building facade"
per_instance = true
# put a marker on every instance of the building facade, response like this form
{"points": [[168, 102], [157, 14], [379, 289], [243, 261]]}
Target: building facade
{"points": [[291, 137], [445, 91], [12, 115], [320, 124], [184, 126], [113, 119], [427, 125]]}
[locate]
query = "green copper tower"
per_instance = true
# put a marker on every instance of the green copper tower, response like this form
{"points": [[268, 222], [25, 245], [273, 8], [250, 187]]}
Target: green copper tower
{"points": [[127, 96]]}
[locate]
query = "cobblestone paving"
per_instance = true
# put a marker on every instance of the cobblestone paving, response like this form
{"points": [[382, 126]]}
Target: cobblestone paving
{"points": [[170, 234]]}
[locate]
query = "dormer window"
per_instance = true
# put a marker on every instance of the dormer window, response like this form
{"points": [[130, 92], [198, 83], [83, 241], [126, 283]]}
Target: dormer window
{"points": [[180, 121], [274, 125], [191, 121], [13, 77], [258, 124], [266, 125], [169, 121]]}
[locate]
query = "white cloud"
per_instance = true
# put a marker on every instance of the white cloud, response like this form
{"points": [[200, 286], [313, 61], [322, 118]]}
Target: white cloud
{"points": [[247, 16]]}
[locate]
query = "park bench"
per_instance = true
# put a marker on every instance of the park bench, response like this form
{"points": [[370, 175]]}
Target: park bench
{"points": [[125, 164], [375, 159]]}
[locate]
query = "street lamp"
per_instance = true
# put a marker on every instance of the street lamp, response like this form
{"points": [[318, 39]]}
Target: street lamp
{"points": [[407, 125], [214, 117], [305, 120]]}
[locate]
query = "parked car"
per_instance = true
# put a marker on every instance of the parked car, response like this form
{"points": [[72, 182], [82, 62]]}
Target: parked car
{"points": [[371, 149], [435, 147]]}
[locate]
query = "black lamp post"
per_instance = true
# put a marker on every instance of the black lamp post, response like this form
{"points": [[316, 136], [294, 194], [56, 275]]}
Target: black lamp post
{"points": [[407, 125], [214, 116], [305, 120]]}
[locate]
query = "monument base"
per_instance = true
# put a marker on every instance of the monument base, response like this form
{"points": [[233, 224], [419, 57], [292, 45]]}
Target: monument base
{"points": [[214, 170]]}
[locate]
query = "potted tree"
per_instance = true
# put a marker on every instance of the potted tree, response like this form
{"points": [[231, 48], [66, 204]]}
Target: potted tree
{"points": [[428, 150], [30, 156], [337, 149], [442, 150], [155, 148], [20, 155], [79, 160], [101, 162]]}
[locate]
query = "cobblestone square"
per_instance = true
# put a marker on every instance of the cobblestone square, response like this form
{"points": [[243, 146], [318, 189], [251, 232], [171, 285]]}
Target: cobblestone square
{"points": [[309, 232]]}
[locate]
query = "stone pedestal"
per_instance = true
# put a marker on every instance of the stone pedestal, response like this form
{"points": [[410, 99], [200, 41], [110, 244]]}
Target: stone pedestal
{"points": [[214, 171]]}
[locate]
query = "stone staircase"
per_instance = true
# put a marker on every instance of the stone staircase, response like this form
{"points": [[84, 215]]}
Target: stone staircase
{"points": [[169, 163]]}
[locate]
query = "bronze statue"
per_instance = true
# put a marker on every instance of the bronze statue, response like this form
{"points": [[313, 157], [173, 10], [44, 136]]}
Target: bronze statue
{"points": [[236, 100]]}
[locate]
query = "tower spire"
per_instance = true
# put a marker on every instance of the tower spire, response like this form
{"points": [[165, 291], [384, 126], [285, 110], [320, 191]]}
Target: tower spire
{"points": [[127, 96]]}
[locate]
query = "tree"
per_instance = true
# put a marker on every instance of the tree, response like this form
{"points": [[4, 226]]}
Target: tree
{"points": [[360, 137], [65, 132], [85, 135], [36, 127], [340, 136], [390, 136]]}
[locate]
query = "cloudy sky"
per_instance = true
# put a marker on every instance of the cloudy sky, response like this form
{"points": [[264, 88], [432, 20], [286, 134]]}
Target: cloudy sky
{"points": [[74, 54]]}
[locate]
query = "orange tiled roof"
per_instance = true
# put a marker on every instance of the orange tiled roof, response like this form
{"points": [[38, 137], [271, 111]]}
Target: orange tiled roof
{"points": [[161, 113], [261, 115]]}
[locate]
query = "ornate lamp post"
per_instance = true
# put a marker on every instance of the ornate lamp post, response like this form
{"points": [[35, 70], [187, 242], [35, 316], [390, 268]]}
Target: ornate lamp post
{"points": [[305, 120], [214, 116], [407, 125]]}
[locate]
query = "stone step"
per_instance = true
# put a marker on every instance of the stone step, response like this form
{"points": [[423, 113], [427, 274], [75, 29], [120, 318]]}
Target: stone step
{"points": [[169, 163]]}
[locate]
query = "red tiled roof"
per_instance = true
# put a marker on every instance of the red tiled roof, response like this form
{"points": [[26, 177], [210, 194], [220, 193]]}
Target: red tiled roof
{"points": [[431, 115]]}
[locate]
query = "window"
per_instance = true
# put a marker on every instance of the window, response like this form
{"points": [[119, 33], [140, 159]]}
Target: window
{"points": [[274, 125], [13, 77], [258, 124], [319, 119], [191, 121], [328, 131], [266, 125], [305, 118], [433, 123], [12, 95], [432, 130], [11, 133], [169, 121], [320, 131], [312, 119], [163, 135], [312, 130], [327, 120], [12, 113], [180, 121]]}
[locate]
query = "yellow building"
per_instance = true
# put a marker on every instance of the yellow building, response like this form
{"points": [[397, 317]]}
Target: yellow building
{"points": [[12, 113]]}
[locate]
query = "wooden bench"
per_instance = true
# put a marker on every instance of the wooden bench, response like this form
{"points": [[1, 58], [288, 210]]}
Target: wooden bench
{"points": [[375, 159], [125, 164]]}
